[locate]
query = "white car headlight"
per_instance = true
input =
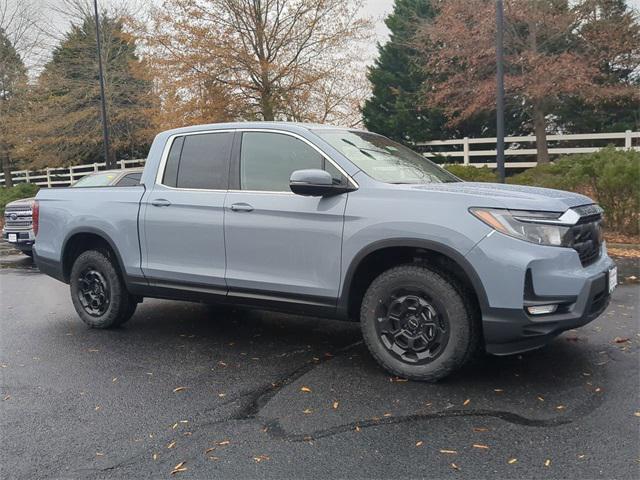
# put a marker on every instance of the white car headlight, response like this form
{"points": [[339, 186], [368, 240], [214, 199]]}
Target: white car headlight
{"points": [[543, 228]]}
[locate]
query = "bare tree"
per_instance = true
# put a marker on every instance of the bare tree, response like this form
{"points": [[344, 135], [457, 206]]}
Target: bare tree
{"points": [[268, 59]]}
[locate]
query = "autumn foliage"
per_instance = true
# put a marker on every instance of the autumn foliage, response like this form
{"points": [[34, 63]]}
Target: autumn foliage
{"points": [[217, 60], [554, 50]]}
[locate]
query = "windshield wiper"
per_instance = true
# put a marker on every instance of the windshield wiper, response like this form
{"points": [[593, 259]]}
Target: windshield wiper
{"points": [[362, 150]]}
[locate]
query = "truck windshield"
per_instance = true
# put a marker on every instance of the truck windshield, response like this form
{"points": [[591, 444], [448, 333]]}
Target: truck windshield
{"points": [[384, 159], [96, 180]]}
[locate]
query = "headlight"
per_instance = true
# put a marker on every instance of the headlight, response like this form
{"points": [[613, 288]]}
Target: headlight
{"points": [[543, 228]]}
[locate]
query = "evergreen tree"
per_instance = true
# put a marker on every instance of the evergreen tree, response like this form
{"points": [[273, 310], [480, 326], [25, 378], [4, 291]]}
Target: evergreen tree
{"points": [[393, 110], [13, 83], [66, 127], [397, 108], [618, 64]]}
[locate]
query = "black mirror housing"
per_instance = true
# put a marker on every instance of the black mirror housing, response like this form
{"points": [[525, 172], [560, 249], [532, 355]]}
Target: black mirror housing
{"points": [[315, 183]]}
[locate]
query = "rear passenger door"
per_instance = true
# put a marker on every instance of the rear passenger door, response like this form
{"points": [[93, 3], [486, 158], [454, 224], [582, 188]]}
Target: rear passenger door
{"points": [[183, 216], [281, 246]]}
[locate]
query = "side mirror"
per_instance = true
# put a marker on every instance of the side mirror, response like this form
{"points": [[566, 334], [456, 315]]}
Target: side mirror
{"points": [[315, 183]]}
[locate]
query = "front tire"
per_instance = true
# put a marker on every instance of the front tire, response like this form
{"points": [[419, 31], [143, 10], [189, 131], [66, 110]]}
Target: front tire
{"points": [[417, 324], [98, 293]]}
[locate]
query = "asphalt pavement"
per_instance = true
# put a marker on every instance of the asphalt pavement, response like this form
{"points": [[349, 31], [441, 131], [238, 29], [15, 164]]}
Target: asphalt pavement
{"points": [[225, 393]]}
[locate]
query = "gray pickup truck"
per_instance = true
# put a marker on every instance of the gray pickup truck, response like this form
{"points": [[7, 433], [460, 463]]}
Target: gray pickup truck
{"points": [[334, 223]]}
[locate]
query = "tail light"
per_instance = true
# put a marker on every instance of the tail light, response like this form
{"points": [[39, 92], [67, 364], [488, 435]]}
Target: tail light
{"points": [[35, 216]]}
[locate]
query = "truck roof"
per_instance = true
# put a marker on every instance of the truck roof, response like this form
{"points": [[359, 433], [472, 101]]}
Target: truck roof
{"points": [[289, 126]]}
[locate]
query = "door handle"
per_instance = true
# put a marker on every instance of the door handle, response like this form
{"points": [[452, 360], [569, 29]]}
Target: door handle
{"points": [[241, 207], [160, 202]]}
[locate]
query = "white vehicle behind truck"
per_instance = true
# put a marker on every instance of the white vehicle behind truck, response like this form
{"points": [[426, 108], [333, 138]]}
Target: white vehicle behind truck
{"points": [[18, 215]]}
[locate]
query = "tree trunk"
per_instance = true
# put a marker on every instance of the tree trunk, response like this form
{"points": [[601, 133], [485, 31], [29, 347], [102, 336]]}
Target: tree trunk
{"points": [[540, 127], [267, 106], [6, 169]]}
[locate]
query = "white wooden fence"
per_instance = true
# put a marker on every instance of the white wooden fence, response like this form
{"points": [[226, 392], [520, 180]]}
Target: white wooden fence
{"points": [[64, 176], [454, 149], [463, 148]]}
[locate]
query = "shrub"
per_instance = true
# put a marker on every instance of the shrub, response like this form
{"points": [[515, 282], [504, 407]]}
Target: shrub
{"points": [[472, 174], [22, 190], [610, 176]]}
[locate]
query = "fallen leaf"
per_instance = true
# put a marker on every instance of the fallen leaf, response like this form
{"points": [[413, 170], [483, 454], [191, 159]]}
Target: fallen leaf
{"points": [[307, 411], [222, 395], [387, 415], [498, 390], [98, 407], [598, 390], [541, 398], [479, 445], [175, 425], [419, 443], [224, 442], [179, 468], [305, 389], [455, 467], [6, 398], [620, 340], [260, 458], [99, 454], [480, 429], [512, 461], [547, 462], [335, 405], [466, 402], [581, 456], [397, 379], [637, 414], [450, 452], [210, 449], [222, 364], [179, 389], [172, 444], [560, 407], [114, 379], [357, 429]]}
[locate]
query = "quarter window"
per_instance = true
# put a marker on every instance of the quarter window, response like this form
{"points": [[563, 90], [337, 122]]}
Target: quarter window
{"points": [[268, 159]]}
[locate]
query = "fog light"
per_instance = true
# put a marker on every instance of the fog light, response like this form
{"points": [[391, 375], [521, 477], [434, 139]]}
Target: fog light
{"points": [[542, 309]]}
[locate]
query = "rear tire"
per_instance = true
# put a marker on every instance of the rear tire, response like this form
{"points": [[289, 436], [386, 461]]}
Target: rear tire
{"points": [[98, 293], [417, 324]]}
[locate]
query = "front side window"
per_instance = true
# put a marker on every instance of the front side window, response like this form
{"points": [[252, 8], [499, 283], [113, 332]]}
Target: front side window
{"points": [[199, 161], [268, 159], [384, 159]]}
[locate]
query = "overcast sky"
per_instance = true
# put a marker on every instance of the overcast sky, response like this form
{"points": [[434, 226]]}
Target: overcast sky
{"points": [[55, 20]]}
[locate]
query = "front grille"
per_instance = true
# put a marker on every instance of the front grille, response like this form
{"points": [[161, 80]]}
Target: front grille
{"points": [[585, 237], [18, 217]]}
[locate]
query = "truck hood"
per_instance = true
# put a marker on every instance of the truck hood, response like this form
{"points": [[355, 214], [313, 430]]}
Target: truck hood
{"points": [[23, 202], [516, 197]]}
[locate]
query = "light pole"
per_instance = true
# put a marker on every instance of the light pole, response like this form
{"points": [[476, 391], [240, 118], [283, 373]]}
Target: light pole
{"points": [[500, 89], [105, 128]]}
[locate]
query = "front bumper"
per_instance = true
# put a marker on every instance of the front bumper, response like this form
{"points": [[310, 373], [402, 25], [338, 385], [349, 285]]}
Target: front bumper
{"points": [[516, 274], [24, 238]]}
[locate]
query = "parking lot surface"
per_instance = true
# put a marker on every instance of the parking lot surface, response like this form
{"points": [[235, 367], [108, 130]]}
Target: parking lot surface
{"points": [[224, 393]]}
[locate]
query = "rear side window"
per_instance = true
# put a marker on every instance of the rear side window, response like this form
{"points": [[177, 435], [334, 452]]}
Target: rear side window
{"points": [[268, 159], [199, 161]]}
